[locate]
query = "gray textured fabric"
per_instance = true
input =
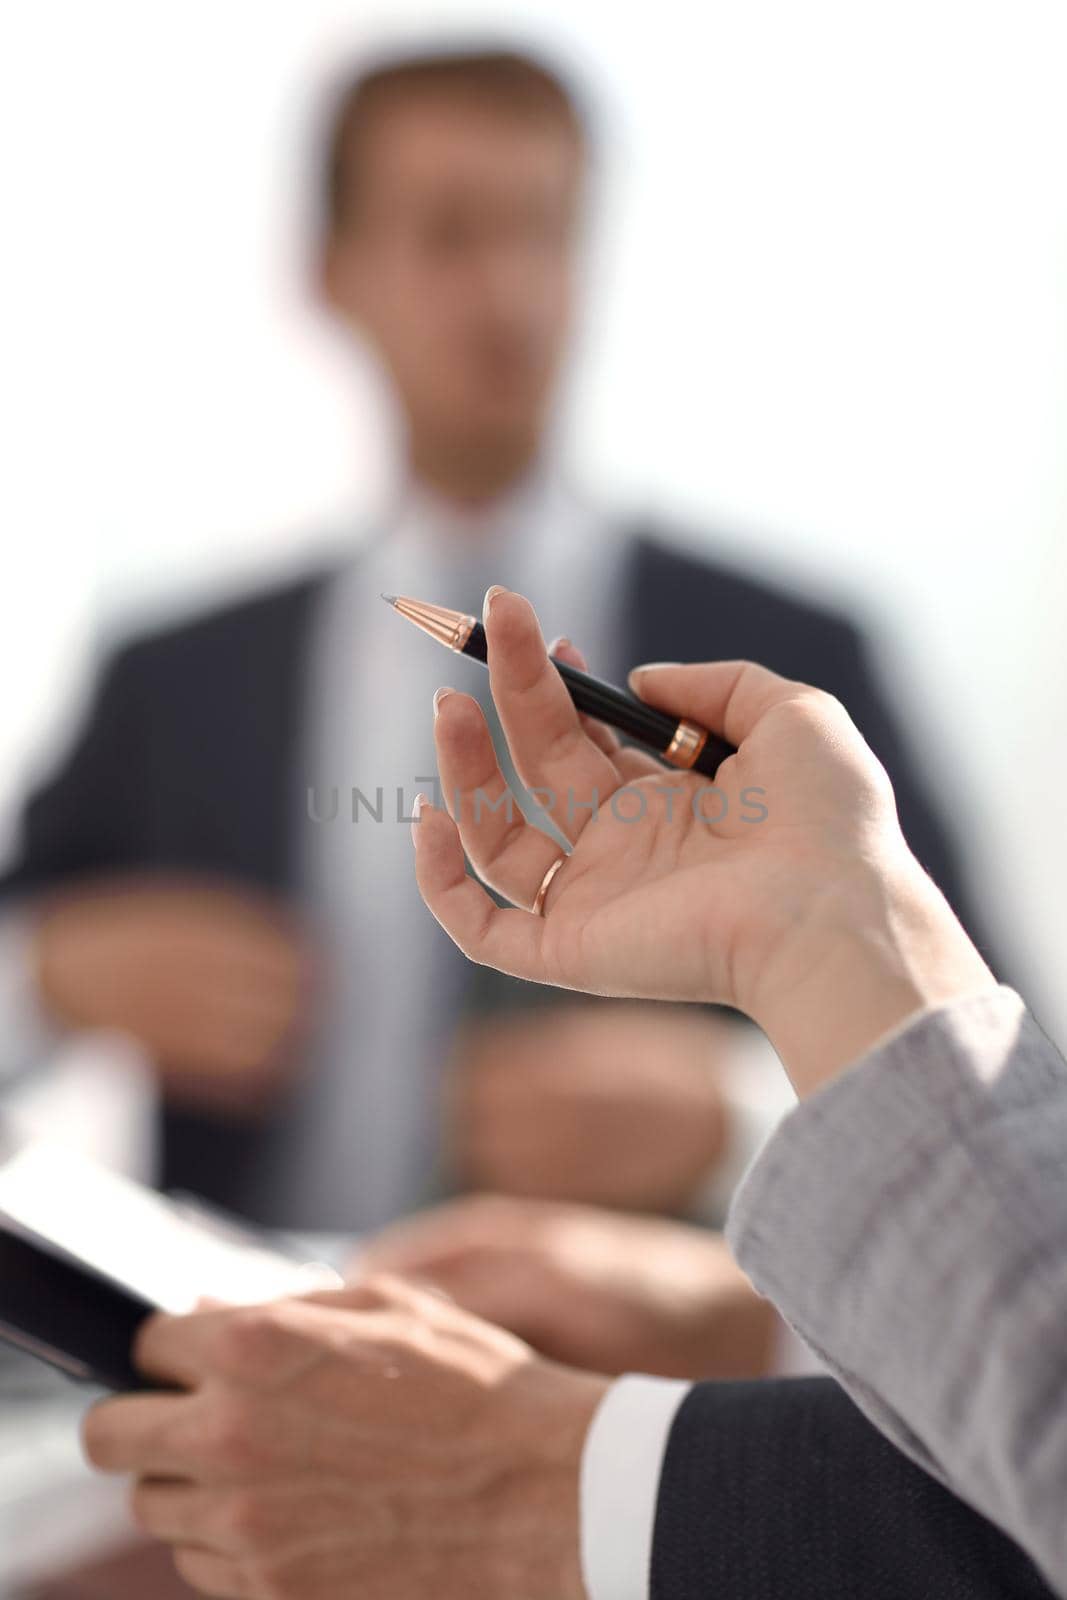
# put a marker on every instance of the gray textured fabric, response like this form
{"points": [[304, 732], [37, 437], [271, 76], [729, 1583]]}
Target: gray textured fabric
{"points": [[910, 1221]]}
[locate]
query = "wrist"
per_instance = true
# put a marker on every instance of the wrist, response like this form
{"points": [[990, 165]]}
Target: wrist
{"points": [[883, 946], [561, 1405]]}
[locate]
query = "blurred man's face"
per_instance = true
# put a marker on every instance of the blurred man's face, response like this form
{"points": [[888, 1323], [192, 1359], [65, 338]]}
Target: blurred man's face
{"points": [[459, 266]]}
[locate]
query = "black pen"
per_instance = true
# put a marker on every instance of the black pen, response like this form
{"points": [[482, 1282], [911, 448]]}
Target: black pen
{"points": [[678, 741]]}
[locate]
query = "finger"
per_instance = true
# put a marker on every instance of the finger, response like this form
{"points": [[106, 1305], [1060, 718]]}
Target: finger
{"points": [[180, 1349], [548, 744], [379, 1305], [372, 1290], [727, 697], [508, 853], [178, 1512], [131, 1433], [511, 941], [629, 763], [606, 738], [214, 1574]]}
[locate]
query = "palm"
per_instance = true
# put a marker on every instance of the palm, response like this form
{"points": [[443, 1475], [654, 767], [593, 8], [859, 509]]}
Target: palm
{"points": [[620, 892], [662, 905]]}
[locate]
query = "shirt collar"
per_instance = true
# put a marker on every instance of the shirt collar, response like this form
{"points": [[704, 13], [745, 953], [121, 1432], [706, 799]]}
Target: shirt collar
{"points": [[540, 508], [544, 538]]}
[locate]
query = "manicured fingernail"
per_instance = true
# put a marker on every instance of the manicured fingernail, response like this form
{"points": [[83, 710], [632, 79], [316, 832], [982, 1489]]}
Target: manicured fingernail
{"points": [[490, 595], [562, 643], [421, 803], [439, 695], [649, 666]]}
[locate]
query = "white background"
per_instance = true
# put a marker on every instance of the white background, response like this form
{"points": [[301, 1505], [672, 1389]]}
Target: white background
{"points": [[828, 315]]}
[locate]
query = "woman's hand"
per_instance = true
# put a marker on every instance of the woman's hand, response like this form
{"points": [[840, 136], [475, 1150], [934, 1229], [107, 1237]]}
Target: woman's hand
{"points": [[784, 889]]}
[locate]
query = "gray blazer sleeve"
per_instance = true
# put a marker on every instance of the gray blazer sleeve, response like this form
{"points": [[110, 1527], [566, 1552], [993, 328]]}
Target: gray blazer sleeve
{"points": [[910, 1220]]}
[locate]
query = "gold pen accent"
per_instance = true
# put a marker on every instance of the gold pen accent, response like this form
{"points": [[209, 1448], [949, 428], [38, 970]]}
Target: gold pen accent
{"points": [[449, 627], [682, 743], [688, 741]]}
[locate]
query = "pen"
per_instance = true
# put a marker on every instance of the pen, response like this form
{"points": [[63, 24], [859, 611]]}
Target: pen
{"points": [[677, 740]]}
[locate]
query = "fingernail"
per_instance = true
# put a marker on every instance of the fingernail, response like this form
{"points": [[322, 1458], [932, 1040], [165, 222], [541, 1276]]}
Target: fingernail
{"points": [[438, 696], [490, 595], [416, 812], [634, 675], [562, 643]]}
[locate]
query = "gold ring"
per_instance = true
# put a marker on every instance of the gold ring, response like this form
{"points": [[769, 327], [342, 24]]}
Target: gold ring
{"points": [[539, 897]]}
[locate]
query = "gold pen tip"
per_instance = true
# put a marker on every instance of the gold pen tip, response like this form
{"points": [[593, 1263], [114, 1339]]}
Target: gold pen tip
{"points": [[390, 599]]}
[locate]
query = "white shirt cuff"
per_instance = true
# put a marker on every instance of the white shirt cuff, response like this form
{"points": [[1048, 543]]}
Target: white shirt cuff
{"points": [[621, 1465]]}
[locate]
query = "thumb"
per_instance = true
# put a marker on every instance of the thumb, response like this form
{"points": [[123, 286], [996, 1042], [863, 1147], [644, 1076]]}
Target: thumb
{"points": [[726, 697]]}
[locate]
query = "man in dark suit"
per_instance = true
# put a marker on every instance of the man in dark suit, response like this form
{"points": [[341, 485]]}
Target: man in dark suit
{"points": [[173, 879], [783, 1489]]}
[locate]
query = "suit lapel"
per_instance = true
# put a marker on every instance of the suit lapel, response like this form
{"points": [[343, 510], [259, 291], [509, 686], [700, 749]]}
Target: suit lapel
{"points": [[259, 734], [640, 608]]}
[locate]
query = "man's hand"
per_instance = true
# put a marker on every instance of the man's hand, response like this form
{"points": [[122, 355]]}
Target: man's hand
{"points": [[377, 1442], [814, 918], [611, 1105], [595, 1290], [213, 981]]}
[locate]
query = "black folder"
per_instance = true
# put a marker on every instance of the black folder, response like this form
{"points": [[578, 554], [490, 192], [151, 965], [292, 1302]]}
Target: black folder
{"points": [[87, 1255], [67, 1314]]}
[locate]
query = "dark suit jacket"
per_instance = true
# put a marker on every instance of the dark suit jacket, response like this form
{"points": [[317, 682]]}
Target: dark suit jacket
{"points": [[784, 1491], [189, 759]]}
